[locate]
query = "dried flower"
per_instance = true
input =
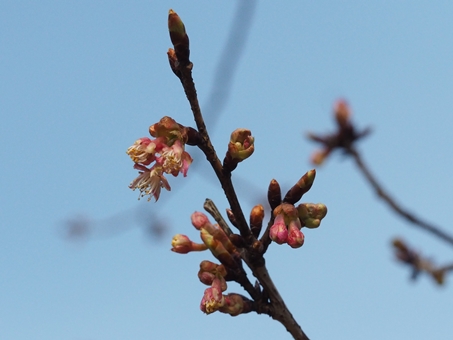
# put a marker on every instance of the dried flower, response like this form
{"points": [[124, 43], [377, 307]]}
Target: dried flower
{"points": [[149, 181]]}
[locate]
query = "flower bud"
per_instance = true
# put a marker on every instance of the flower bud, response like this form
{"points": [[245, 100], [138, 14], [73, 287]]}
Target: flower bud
{"points": [[240, 147], [209, 271], [208, 266], [278, 232], [312, 223], [221, 236], [274, 194], [199, 220], [301, 187], [217, 249], [182, 244], [258, 247], [169, 129], [318, 157], [295, 236], [342, 113], [206, 277], [256, 219], [241, 144], [287, 210], [311, 214], [234, 304], [178, 37]]}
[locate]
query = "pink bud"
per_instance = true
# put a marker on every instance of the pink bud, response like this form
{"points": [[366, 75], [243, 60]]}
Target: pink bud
{"points": [[206, 277], [199, 220], [295, 236], [342, 113], [182, 245], [234, 304], [278, 232]]}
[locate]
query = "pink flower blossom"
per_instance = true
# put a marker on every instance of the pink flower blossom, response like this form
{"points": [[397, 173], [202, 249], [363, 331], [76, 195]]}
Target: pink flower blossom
{"points": [[212, 298], [144, 150], [174, 159], [167, 151]]}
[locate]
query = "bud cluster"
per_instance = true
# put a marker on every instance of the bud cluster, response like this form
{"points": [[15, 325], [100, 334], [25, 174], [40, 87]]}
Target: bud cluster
{"points": [[344, 137], [210, 273], [166, 152], [213, 300], [288, 219]]}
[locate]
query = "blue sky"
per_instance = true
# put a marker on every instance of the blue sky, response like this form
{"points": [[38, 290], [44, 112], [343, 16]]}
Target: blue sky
{"points": [[81, 81]]}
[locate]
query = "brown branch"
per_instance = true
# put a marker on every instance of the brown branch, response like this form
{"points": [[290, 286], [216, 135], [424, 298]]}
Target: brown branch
{"points": [[398, 209], [210, 153], [277, 308], [278, 311], [242, 279]]}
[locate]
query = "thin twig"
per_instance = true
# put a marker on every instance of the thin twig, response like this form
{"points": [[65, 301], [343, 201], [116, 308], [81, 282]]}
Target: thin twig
{"points": [[398, 209], [211, 208]]}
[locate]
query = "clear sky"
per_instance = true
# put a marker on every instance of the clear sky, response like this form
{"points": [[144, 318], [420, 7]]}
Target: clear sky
{"points": [[80, 81]]}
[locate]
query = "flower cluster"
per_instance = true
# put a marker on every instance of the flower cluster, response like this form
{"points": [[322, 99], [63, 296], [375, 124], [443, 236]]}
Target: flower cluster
{"points": [[167, 154], [213, 300], [212, 274], [289, 221]]}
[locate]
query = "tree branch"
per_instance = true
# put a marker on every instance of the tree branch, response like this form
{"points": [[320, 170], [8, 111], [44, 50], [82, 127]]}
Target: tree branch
{"points": [[278, 310], [398, 209]]}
